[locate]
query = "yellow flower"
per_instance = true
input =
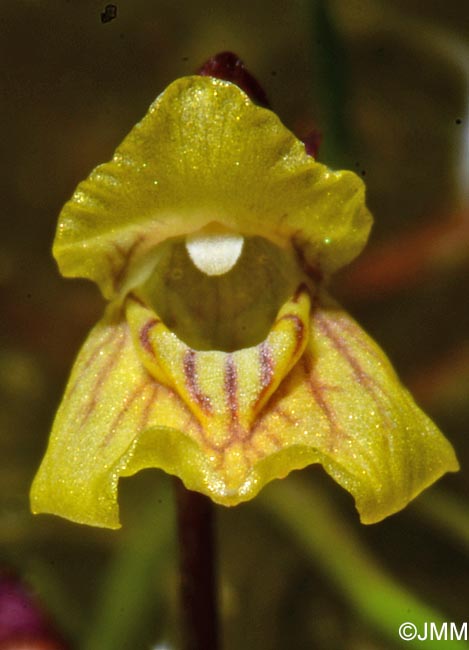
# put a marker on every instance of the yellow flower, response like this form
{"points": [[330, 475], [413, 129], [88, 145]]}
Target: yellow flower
{"points": [[221, 358]]}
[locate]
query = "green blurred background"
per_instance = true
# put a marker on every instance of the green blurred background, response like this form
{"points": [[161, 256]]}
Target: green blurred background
{"points": [[387, 84]]}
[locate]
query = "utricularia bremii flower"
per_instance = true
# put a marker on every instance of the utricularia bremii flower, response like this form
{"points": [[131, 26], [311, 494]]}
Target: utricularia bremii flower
{"points": [[221, 357]]}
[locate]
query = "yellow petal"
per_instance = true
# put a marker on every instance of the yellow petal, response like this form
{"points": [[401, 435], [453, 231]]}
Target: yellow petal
{"points": [[343, 406], [204, 154], [110, 399]]}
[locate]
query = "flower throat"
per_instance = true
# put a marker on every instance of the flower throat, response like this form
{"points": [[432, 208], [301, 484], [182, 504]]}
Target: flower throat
{"points": [[226, 311]]}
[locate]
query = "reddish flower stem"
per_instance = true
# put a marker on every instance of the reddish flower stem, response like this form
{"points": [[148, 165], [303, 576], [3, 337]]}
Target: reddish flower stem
{"points": [[198, 592]]}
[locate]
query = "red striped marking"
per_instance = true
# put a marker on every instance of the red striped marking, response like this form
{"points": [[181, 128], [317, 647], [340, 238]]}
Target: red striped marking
{"points": [[361, 376], [116, 423], [317, 391], [202, 400], [102, 375], [231, 388], [144, 335], [92, 357], [267, 370], [299, 329]]}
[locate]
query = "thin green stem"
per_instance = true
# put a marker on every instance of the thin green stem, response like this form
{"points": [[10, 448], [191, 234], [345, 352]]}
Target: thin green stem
{"points": [[309, 517], [447, 512], [127, 600], [332, 91]]}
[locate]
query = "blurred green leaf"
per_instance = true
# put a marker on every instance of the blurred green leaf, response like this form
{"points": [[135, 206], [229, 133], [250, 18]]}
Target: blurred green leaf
{"points": [[322, 534]]}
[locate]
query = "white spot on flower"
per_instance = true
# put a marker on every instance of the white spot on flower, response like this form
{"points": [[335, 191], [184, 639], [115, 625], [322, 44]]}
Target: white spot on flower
{"points": [[214, 250]]}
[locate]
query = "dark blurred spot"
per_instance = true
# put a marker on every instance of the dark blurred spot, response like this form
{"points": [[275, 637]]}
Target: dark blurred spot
{"points": [[384, 55], [459, 121], [109, 13]]}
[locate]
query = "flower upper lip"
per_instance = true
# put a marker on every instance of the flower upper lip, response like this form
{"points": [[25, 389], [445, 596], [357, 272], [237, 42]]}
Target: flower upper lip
{"points": [[206, 153]]}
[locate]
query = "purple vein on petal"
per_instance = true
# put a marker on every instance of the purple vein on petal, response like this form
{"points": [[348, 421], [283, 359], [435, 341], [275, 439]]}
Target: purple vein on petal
{"points": [[342, 326], [362, 377], [149, 403], [376, 391], [111, 361], [145, 335], [299, 328], [336, 429], [266, 363], [126, 256], [231, 389], [128, 402], [190, 373], [91, 358], [317, 391]]}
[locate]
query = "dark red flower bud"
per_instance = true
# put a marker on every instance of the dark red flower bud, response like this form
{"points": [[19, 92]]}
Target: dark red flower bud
{"points": [[228, 66]]}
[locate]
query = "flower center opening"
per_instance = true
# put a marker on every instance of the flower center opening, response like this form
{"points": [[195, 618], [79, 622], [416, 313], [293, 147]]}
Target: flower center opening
{"points": [[218, 290]]}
